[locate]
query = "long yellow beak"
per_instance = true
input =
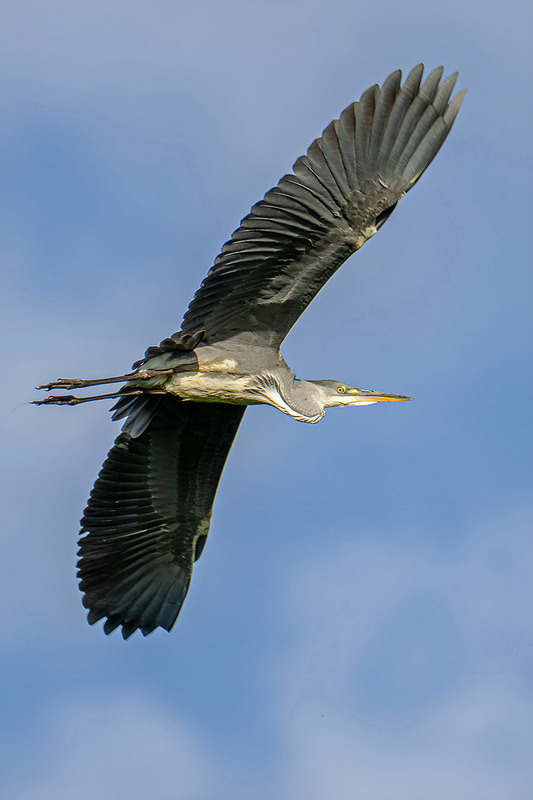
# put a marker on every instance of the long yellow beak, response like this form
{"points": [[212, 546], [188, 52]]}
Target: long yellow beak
{"points": [[377, 397]]}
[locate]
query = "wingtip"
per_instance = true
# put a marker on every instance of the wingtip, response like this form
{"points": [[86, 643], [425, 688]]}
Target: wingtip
{"points": [[111, 625], [93, 617], [416, 72], [432, 81], [393, 80], [128, 629], [148, 629], [453, 109]]}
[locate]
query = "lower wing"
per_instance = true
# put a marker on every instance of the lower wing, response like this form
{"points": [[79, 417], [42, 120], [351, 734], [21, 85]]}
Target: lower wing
{"points": [[148, 515]]}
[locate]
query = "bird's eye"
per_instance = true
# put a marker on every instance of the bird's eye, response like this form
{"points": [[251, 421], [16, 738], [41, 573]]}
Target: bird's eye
{"points": [[341, 389]]}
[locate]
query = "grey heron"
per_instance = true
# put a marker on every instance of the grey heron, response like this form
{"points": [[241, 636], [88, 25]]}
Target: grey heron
{"points": [[148, 515]]}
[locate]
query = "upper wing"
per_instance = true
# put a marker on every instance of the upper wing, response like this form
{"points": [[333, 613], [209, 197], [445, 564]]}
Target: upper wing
{"points": [[148, 515], [339, 194]]}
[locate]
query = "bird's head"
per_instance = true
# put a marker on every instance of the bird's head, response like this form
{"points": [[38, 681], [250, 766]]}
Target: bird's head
{"points": [[334, 393]]}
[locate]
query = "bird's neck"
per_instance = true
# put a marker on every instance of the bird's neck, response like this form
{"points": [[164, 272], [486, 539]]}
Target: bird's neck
{"points": [[297, 399]]}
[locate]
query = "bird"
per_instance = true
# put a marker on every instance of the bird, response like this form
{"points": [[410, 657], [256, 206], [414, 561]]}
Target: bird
{"points": [[148, 515]]}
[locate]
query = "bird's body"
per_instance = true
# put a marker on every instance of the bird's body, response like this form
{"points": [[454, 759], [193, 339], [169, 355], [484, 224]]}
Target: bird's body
{"points": [[245, 377], [148, 516]]}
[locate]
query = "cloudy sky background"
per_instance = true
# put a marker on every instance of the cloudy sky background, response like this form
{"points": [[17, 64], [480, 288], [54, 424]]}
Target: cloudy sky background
{"points": [[359, 625]]}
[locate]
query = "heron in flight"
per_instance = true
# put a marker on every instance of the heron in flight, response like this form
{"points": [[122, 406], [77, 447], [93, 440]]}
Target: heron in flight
{"points": [[148, 515]]}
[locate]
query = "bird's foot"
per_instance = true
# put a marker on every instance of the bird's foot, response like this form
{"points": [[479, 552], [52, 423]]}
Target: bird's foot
{"points": [[72, 400], [62, 400], [64, 383]]}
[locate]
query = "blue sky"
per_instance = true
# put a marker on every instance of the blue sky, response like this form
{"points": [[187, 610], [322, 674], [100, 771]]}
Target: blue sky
{"points": [[359, 623]]}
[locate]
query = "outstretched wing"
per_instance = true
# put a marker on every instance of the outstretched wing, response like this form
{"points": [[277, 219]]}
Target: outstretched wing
{"points": [[148, 515], [339, 194]]}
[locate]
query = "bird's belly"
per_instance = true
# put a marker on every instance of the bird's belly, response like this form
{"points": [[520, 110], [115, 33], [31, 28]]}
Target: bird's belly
{"points": [[213, 387]]}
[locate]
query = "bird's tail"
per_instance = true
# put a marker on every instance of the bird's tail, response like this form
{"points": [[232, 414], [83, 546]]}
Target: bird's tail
{"points": [[139, 412]]}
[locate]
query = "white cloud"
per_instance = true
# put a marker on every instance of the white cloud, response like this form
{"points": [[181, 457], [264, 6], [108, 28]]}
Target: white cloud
{"points": [[109, 748], [472, 747], [465, 730]]}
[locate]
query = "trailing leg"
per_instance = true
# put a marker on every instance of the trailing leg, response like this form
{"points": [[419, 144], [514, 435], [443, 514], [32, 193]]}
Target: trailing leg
{"points": [[81, 383], [71, 400]]}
